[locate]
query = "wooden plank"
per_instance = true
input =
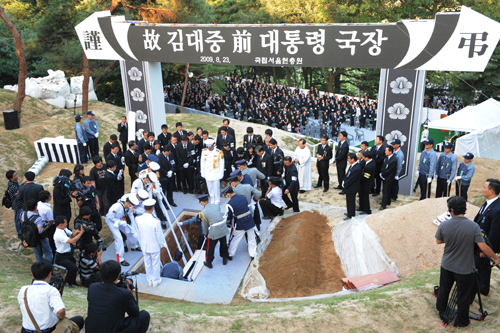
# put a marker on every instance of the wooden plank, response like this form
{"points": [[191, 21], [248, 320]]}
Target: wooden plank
{"points": [[358, 282]]}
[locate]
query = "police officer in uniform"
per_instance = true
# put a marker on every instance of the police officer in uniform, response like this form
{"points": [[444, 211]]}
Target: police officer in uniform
{"points": [[464, 176], [253, 173], [427, 169], [446, 168]]}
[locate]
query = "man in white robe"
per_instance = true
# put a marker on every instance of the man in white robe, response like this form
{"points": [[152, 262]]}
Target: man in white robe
{"points": [[302, 158], [151, 235]]}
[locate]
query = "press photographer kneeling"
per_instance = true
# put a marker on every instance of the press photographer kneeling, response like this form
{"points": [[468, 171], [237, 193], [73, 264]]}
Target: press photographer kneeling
{"points": [[90, 262], [42, 302], [108, 304]]}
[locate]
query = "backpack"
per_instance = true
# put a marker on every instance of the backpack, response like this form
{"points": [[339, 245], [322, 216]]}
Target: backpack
{"points": [[29, 231], [6, 200]]}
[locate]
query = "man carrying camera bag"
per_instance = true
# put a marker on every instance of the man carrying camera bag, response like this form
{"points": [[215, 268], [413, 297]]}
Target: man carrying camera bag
{"points": [[108, 304]]}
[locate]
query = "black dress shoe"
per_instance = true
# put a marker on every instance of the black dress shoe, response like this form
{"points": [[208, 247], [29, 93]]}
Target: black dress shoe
{"points": [[317, 185], [346, 214], [136, 249], [288, 207], [338, 188], [230, 258], [358, 209], [126, 248], [347, 218], [125, 263], [257, 239], [224, 261], [302, 191], [208, 264], [281, 213], [325, 190], [163, 225], [381, 208], [184, 191], [173, 205], [375, 194], [342, 192], [365, 213]]}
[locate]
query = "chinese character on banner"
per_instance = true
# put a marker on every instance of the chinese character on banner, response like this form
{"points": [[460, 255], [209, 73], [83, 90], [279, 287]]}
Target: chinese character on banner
{"points": [[92, 40], [196, 39], [178, 46], [151, 40], [257, 60], [375, 49], [273, 43], [348, 42], [316, 38], [215, 39], [242, 41], [293, 39], [472, 43]]}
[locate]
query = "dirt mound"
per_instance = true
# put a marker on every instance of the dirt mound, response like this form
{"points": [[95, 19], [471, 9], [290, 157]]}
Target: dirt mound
{"points": [[301, 258], [408, 234]]}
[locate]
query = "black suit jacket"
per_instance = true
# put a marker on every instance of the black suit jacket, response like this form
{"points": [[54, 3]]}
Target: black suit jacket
{"points": [[166, 165], [117, 159], [164, 139], [220, 141], [291, 178], [178, 135], [140, 146], [265, 164], [112, 187], [489, 221], [378, 156], [183, 155], [389, 167], [352, 179], [230, 131], [278, 158], [123, 129], [341, 153], [245, 140], [326, 153], [106, 149], [367, 183], [129, 161], [28, 190], [108, 305]]}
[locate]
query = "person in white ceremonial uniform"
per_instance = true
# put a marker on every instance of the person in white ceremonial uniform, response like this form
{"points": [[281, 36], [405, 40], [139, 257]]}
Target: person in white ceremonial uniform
{"points": [[117, 219], [139, 209], [152, 240], [212, 169], [302, 159]]}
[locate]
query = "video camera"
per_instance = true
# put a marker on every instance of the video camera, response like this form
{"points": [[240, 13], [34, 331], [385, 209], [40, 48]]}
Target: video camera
{"points": [[85, 225], [67, 186], [123, 283], [100, 246]]}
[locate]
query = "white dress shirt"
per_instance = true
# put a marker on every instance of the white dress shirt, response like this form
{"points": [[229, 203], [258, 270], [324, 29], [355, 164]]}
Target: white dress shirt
{"points": [[44, 301], [61, 237], [275, 195]]}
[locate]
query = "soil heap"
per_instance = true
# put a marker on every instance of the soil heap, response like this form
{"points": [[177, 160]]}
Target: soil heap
{"points": [[408, 234], [301, 259]]}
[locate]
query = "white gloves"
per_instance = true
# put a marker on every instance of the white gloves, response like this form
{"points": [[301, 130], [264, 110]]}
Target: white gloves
{"points": [[380, 175], [120, 174], [429, 180], [180, 223], [458, 178], [448, 182], [396, 177], [249, 162], [119, 223], [169, 174], [186, 165], [97, 135], [85, 145]]}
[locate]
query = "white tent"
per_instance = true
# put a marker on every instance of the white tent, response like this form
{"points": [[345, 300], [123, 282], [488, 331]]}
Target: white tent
{"points": [[481, 143], [479, 117]]}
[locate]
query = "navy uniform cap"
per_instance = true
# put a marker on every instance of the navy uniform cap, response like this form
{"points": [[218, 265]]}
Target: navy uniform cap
{"points": [[225, 189], [396, 142], [469, 156], [203, 197], [447, 145], [241, 162], [429, 142], [78, 117], [236, 173], [153, 158]]}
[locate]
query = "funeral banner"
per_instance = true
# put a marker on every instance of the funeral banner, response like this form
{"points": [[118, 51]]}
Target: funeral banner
{"points": [[461, 41]]}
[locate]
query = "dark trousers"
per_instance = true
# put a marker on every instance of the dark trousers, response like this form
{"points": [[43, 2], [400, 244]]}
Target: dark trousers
{"points": [[324, 177], [178, 185], [465, 284], [186, 178], [211, 243], [291, 203], [364, 201], [484, 273], [197, 181], [77, 320], [341, 172], [442, 188], [82, 152], [268, 209], [68, 261], [96, 277], [264, 186], [102, 198], [386, 191], [425, 189], [461, 190], [50, 236], [142, 321], [97, 220], [395, 190], [351, 204], [124, 146], [167, 186], [378, 180], [93, 144]]}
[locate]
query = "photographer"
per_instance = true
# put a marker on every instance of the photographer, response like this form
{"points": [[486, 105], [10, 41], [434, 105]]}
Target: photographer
{"points": [[64, 239], [90, 261], [108, 304], [45, 212], [83, 220], [459, 234], [42, 247], [43, 301], [62, 200], [89, 198]]}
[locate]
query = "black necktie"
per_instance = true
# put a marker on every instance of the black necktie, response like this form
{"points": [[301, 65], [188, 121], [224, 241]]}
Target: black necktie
{"points": [[483, 208]]}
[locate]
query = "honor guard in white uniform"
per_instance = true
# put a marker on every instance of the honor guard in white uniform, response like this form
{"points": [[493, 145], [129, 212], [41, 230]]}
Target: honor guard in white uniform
{"points": [[212, 169], [151, 235], [139, 209], [119, 218]]}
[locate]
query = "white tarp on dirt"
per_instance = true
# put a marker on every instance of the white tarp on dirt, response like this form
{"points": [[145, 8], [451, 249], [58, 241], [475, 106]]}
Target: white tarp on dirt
{"points": [[482, 143], [471, 118]]}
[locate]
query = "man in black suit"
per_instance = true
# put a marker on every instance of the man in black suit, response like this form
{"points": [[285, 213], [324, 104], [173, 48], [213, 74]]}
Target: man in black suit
{"points": [[389, 168], [488, 219], [28, 190], [123, 129], [109, 303], [341, 158], [164, 136], [185, 165], [112, 186], [106, 149], [323, 163], [142, 142], [264, 165], [119, 160], [278, 157], [131, 161], [351, 184], [180, 132], [291, 185], [378, 155], [230, 131], [167, 170], [367, 183], [249, 137], [224, 136]]}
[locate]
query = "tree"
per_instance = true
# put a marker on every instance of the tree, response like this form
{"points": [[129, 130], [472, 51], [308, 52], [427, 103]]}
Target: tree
{"points": [[23, 72]]}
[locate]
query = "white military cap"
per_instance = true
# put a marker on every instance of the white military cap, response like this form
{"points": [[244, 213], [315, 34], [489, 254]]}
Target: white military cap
{"points": [[149, 203], [152, 177], [132, 198], [209, 142], [143, 194], [154, 166]]}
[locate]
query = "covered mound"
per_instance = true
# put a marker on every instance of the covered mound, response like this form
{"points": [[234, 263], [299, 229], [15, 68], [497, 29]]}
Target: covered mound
{"points": [[407, 233], [301, 259]]}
